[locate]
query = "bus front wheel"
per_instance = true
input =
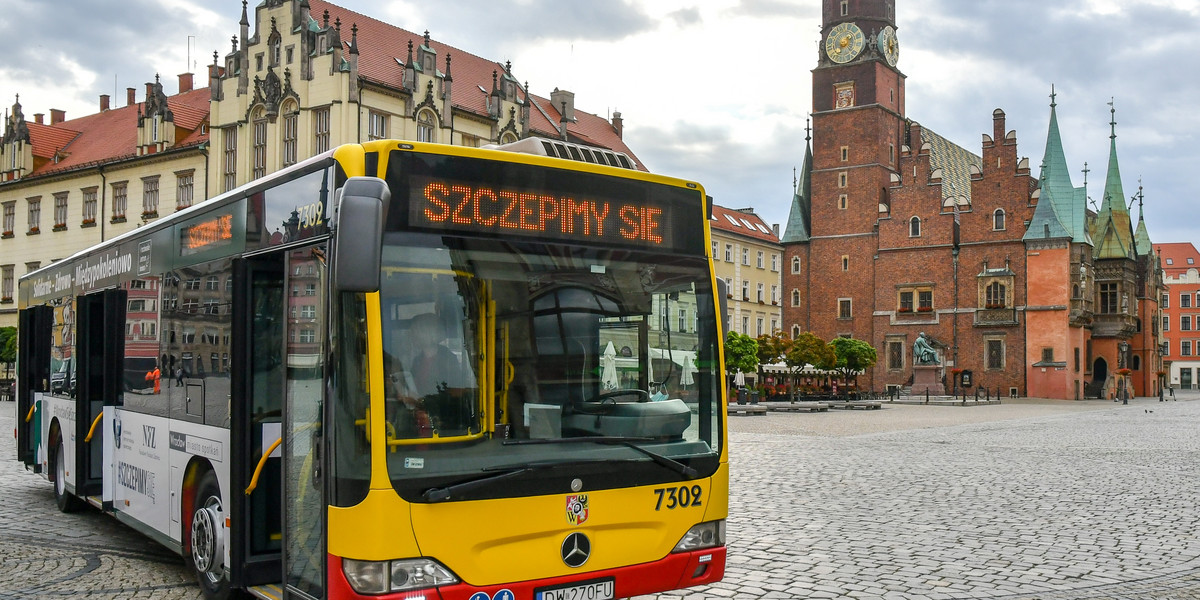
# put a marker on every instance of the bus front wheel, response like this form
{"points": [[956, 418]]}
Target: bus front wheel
{"points": [[66, 501], [207, 553]]}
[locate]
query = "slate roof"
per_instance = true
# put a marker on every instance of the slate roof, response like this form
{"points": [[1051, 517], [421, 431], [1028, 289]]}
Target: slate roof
{"points": [[955, 163], [742, 223], [383, 50]]}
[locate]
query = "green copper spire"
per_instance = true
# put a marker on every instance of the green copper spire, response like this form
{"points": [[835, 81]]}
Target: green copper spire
{"points": [[798, 225], [1141, 238], [1113, 229], [1062, 205]]}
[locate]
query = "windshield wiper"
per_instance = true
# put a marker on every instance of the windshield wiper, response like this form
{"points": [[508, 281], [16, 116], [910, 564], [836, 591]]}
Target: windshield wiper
{"points": [[495, 474], [629, 442]]}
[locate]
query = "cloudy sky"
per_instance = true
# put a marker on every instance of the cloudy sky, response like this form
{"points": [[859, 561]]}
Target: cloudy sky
{"points": [[719, 90]]}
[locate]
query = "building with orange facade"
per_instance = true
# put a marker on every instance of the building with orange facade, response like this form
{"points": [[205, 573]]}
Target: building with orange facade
{"points": [[1180, 321]]}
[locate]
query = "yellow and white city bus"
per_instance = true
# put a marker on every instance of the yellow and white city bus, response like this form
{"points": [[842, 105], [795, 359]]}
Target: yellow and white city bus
{"points": [[398, 370]]}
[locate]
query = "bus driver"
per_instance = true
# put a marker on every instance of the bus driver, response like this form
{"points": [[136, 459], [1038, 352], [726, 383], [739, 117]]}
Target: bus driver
{"points": [[431, 384]]}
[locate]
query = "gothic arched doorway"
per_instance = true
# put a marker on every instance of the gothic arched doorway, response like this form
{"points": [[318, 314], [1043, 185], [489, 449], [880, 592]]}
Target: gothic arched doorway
{"points": [[1099, 377]]}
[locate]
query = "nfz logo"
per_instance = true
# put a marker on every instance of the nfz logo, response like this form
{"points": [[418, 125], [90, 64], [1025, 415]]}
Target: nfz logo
{"points": [[148, 436], [117, 432]]}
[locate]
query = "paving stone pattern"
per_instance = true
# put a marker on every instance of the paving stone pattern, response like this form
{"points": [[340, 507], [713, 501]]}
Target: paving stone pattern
{"points": [[1021, 501]]}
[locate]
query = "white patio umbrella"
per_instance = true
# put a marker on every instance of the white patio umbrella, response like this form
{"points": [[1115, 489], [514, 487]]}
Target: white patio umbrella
{"points": [[608, 368], [687, 372]]}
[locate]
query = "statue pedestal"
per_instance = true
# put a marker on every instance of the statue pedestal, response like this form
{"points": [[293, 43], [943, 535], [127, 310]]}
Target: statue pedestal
{"points": [[927, 378]]}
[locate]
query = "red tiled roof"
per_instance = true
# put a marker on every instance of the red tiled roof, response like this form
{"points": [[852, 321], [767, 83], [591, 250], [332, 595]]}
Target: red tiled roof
{"points": [[381, 45], [741, 223], [1177, 255], [112, 134]]}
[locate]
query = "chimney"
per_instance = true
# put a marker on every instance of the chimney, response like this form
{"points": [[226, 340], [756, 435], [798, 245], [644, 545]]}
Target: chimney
{"points": [[149, 91], [57, 116], [775, 229], [618, 123], [185, 82], [103, 102], [37, 118], [130, 96], [564, 101]]}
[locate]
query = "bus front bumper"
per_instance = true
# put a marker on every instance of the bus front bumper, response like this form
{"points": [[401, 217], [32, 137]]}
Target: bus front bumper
{"points": [[680, 570]]}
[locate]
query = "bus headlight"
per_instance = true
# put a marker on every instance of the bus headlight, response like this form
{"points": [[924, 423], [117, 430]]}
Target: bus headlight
{"points": [[381, 577], [704, 535]]}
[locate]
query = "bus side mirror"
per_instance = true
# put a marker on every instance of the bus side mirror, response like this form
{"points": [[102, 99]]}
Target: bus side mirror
{"points": [[359, 213], [723, 301]]}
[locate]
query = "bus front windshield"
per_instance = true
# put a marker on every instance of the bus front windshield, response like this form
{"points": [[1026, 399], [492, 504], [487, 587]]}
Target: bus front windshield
{"points": [[527, 363]]}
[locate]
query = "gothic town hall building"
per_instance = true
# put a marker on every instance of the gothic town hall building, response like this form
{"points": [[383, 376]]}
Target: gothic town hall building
{"points": [[895, 230]]}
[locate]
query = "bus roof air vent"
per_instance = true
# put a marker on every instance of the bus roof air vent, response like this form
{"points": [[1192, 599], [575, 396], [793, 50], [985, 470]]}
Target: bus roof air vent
{"points": [[568, 151]]}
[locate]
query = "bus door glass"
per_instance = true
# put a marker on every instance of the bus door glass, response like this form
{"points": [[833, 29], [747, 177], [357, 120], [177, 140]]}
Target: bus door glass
{"points": [[304, 361], [99, 342], [33, 376], [260, 328]]}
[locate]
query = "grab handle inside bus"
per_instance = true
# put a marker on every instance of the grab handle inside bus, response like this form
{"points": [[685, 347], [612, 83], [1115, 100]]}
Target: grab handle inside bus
{"points": [[359, 214]]}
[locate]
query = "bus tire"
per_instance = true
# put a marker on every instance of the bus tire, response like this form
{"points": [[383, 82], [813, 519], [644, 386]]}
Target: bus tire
{"points": [[66, 501], [206, 554]]}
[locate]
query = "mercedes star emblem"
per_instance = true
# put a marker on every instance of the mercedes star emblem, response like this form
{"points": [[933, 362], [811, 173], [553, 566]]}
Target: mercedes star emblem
{"points": [[576, 549]]}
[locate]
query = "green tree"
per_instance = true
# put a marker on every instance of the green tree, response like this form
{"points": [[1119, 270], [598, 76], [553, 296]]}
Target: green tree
{"points": [[772, 347], [808, 349], [8, 344], [853, 357], [741, 353]]}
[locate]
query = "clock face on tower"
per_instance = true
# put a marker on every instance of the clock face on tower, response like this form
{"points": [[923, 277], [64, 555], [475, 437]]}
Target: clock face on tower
{"points": [[888, 46], [844, 43]]}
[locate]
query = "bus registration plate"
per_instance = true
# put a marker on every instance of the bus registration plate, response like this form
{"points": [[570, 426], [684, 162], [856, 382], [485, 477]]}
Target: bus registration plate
{"points": [[603, 589]]}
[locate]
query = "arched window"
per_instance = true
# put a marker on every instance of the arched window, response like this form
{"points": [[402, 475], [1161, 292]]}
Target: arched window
{"points": [[795, 265], [795, 297], [998, 220], [1075, 291], [1137, 363], [994, 295], [508, 137], [795, 331], [426, 124], [914, 227]]}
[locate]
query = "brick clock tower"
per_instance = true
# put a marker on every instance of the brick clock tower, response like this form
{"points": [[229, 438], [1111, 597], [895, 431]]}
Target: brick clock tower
{"points": [[858, 130]]}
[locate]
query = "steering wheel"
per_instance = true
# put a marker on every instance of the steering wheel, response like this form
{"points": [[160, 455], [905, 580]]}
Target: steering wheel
{"points": [[643, 395]]}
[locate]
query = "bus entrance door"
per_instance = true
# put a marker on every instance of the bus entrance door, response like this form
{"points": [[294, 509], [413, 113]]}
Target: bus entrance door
{"points": [[259, 323], [33, 354], [100, 343]]}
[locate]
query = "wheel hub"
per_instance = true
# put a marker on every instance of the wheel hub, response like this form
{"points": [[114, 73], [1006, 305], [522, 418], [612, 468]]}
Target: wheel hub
{"points": [[207, 549]]}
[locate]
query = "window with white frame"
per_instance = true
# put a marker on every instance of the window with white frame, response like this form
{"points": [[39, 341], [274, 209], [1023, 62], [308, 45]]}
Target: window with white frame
{"points": [[229, 164], [320, 130], [1185, 322], [185, 189], [35, 213], [746, 325], [774, 294], [759, 290], [760, 263], [795, 297], [150, 196], [10, 217], [729, 253], [1185, 348], [260, 148], [377, 126], [6, 283], [426, 127], [290, 122], [60, 210], [745, 290], [1166, 323], [758, 326], [795, 265], [746, 257], [775, 262], [714, 252], [845, 308], [1185, 300], [89, 205]]}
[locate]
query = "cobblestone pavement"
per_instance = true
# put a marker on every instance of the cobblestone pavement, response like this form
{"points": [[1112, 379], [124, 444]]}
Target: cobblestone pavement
{"points": [[1028, 500]]}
